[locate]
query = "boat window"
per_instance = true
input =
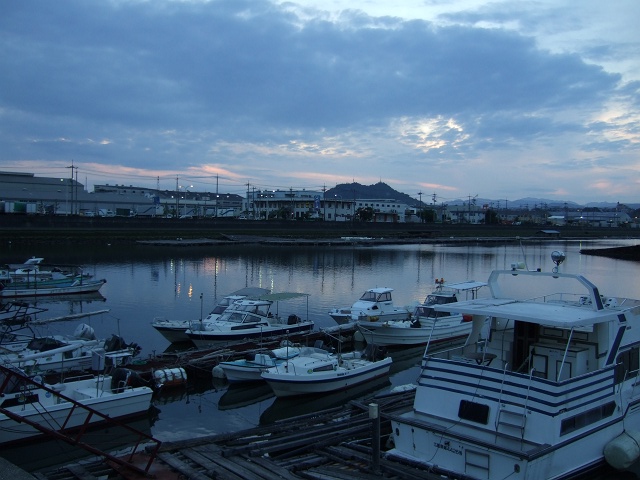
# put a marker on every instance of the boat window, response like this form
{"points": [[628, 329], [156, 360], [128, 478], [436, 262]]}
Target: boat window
{"points": [[384, 297], [474, 412], [253, 319], [584, 419], [368, 297], [218, 309], [628, 364], [425, 312], [235, 317]]}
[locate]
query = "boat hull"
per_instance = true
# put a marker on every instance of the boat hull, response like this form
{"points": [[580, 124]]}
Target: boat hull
{"points": [[62, 416], [173, 334], [85, 287], [291, 384], [203, 339], [458, 455], [237, 372], [401, 333]]}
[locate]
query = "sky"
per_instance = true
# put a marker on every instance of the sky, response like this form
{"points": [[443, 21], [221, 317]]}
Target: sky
{"points": [[501, 99]]}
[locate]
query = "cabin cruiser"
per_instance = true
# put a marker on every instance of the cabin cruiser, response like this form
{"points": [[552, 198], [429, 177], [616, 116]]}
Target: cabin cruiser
{"points": [[426, 325], [544, 387], [374, 305]]}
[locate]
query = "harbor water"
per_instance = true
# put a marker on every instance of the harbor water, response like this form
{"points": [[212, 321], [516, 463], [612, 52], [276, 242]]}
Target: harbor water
{"points": [[145, 282]]}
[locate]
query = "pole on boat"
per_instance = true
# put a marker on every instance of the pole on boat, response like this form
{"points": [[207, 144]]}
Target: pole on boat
{"points": [[374, 415]]}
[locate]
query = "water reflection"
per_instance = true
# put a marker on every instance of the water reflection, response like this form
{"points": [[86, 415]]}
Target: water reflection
{"points": [[148, 282]]}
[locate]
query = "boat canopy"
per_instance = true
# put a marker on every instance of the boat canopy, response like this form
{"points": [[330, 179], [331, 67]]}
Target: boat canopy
{"points": [[276, 297], [470, 285], [551, 314]]}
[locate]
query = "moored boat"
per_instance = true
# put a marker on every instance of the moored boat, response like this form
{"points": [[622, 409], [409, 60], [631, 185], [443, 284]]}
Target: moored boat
{"points": [[249, 369], [30, 408], [251, 319], [10, 289], [545, 386], [426, 325], [58, 353], [175, 330], [374, 305], [316, 370]]}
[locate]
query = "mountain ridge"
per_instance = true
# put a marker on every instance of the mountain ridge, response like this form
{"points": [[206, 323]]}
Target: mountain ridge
{"points": [[381, 191]]}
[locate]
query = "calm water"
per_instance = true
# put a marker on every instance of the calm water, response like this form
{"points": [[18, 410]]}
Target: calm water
{"points": [[148, 282]]}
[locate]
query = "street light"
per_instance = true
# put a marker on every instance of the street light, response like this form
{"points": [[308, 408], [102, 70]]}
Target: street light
{"points": [[335, 207]]}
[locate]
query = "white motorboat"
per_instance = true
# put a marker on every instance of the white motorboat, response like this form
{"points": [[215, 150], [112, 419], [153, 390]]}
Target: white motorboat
{"points": [[316, 371], [175, 330], [249, 369], [59, 353], [545, 387], [374, 305], [29, 408], [426, 325], [251, 319]]}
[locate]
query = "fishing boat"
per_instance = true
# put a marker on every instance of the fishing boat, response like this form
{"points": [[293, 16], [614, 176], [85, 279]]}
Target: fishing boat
{"points": [[250, 368], [251, 319], [11, 289], [374, 305], [33, 270], [316, 370], [30, 408], [175, 330], [60, 353], [544, 387], [426, 325]]}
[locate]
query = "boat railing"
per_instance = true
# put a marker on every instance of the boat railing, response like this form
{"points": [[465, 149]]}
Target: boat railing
{"points": [[13, 375]]}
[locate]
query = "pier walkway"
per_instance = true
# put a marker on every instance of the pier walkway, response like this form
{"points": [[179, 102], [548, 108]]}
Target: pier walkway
{"points": [[330, 444]]}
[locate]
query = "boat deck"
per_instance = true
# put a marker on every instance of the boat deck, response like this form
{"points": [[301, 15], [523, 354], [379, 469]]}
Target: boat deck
{"points": [[330, 444]]}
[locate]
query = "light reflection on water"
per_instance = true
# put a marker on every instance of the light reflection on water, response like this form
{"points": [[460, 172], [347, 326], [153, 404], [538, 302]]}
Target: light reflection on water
{"points": [[184, 283]]}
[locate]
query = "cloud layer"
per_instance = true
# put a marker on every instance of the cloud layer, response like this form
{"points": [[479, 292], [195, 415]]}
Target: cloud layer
{"points": [[281, 96]]}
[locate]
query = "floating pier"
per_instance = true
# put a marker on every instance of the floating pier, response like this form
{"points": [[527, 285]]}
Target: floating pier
{"points": [[332, 444]]}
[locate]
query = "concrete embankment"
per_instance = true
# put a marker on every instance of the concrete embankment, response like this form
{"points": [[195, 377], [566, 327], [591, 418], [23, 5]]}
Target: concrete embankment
{"points": [[34, 229]]}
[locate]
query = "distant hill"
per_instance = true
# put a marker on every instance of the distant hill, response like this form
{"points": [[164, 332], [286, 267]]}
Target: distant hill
{"points": [[380, 191]]}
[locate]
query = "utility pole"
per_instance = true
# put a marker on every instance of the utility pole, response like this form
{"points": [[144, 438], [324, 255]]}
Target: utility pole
{"points": [[71, 185], [177, 197], [324, 202]]}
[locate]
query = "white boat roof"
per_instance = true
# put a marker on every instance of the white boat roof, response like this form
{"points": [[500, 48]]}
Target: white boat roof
{"points": [[560, 314], [254, 292], [275, 297], [469, 285], [380, 290]]}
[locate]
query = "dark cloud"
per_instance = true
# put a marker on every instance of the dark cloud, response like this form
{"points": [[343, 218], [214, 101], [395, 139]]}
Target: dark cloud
{"points": [[168, 79]]}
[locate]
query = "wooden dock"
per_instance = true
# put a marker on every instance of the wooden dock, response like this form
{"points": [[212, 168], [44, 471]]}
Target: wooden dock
{"points": [[333, 444], [198, 363]]}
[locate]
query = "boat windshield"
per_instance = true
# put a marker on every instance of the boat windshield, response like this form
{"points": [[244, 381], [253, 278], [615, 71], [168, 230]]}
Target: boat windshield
{"points": [[218, 309], [440, 299], [258, 309], [369, 296], [233, 317], [424, 311]]}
